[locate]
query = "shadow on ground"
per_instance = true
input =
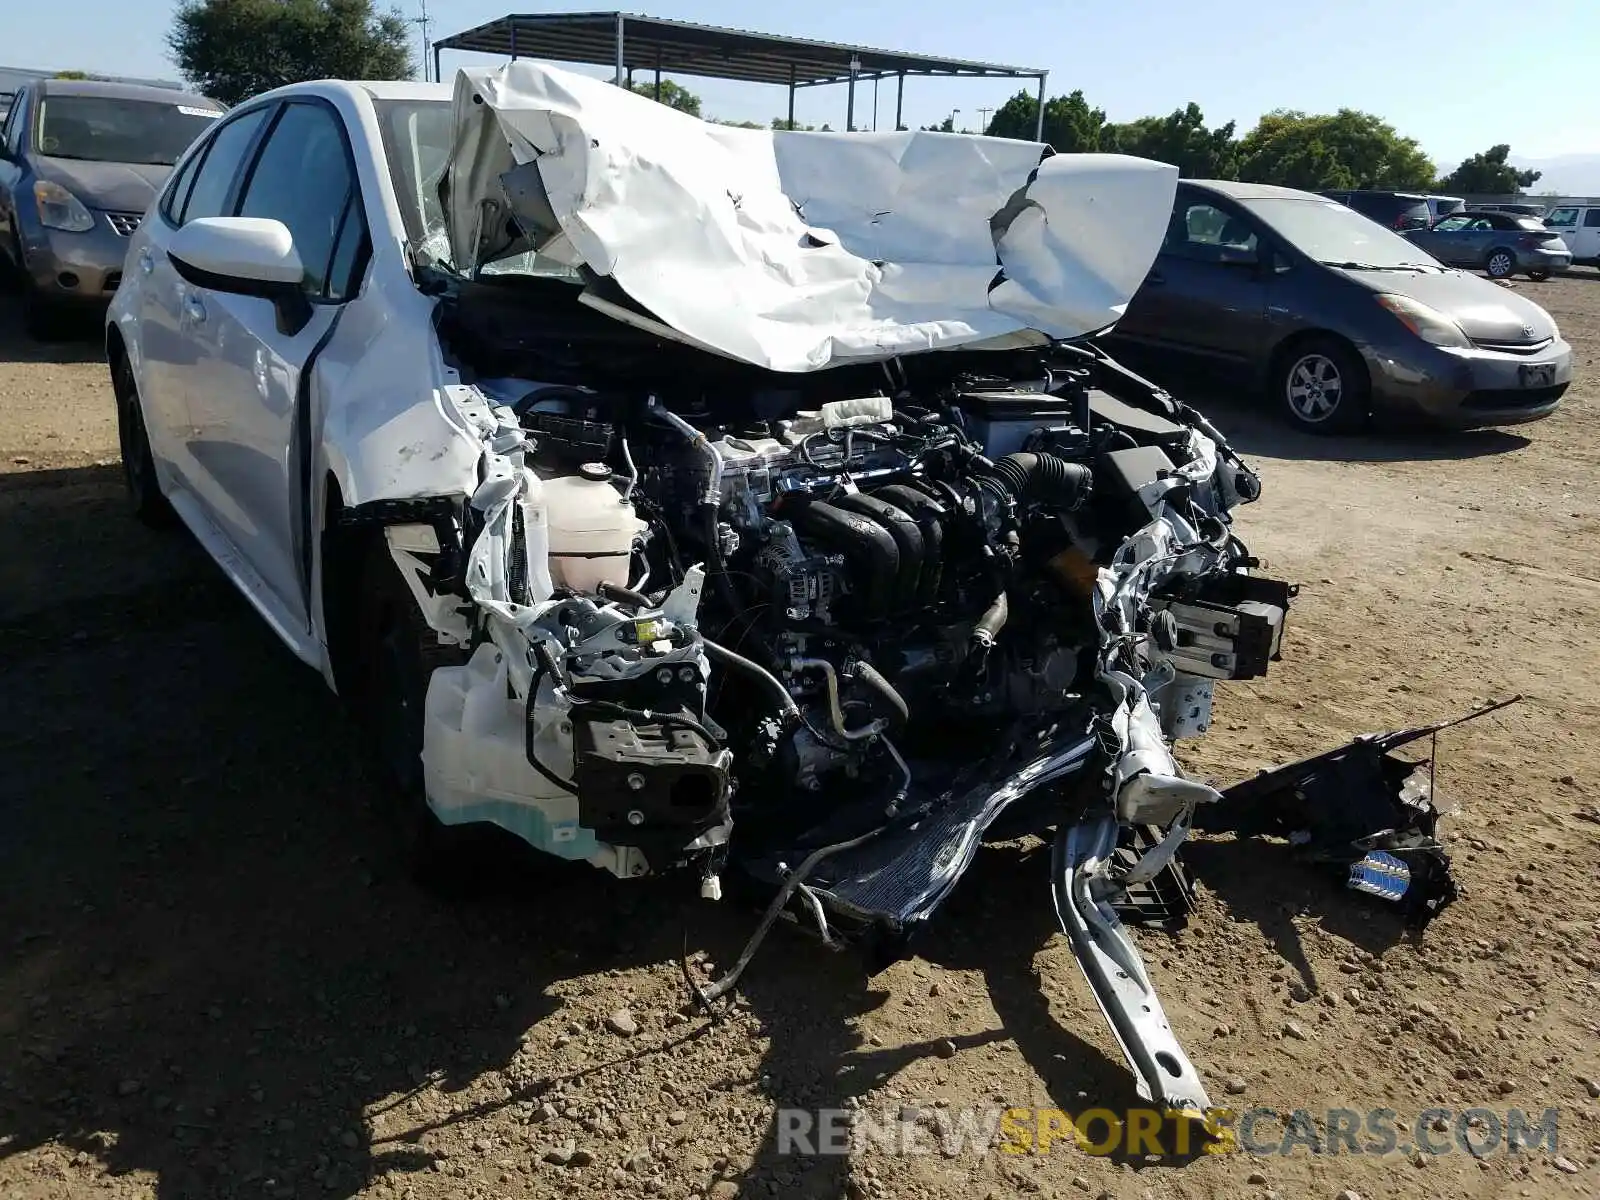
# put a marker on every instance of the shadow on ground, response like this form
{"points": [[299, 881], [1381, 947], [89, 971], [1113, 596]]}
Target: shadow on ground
{"points": [[81, 338]]}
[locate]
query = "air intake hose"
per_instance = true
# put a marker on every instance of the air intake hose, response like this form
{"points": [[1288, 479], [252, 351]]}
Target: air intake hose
{"points": [[1045, 479]]}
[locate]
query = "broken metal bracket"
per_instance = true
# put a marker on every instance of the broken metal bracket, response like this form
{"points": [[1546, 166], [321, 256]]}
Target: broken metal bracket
{"points": [[1115, 972]]}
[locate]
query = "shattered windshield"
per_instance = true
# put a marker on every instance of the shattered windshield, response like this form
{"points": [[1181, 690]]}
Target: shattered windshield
{"points": [[416, 140]]}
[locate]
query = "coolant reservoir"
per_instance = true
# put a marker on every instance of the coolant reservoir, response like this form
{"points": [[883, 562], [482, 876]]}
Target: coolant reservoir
{"points": [[591, 529]]}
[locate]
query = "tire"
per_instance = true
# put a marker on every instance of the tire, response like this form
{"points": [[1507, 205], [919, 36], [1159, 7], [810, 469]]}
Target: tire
{"points": [[1501, 263], [1322, 385], [138, 463], [397, 653], [1538, 276]]}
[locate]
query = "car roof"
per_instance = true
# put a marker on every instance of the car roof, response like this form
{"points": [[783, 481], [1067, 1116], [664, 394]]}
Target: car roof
{"points": [[121, 91], [1253, 191]]}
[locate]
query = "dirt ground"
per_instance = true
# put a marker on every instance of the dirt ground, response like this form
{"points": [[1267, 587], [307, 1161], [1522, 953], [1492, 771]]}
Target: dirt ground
{"points": [[215, 983]]}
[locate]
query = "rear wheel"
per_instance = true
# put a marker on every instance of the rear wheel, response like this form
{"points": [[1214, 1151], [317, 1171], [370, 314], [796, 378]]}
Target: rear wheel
{"points": [[397, 654], [138, 463], [1501, 263], [1322, 386]]}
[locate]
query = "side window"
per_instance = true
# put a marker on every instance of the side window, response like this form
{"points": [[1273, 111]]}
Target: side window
{"points": [[10, 122], [1451, 224], [213, 183], [1562, 218], [303, 178], [1591, 219], [16, 122], [178, 189], [1204, 233]]}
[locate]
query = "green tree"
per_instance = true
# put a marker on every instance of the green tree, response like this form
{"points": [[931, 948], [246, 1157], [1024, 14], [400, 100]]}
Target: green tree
{"points": [[1488, 174], [233, 49], [72, 75], [784, 123], [1182, 139], [1347, 149], [948, 125], [1070, 124], [673, 95]]}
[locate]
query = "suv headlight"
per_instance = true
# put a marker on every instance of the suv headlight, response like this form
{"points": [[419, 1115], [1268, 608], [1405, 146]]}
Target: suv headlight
{"points": [[60, 209], [1429, 324]]}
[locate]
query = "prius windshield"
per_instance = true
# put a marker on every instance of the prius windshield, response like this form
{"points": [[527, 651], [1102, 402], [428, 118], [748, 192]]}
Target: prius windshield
{"points": [[1331, 233]]}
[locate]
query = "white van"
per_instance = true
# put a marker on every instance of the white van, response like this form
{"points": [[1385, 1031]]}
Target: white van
{"points": [[1579, 227]]}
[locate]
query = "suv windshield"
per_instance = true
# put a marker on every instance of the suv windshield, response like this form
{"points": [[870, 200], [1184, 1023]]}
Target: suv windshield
{"points": [[1334, 234], [416, 141], [110, 129]]}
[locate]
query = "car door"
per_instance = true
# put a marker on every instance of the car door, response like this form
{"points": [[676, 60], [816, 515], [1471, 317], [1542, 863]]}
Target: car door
{"points": [[244, 386], [1585, 243], [1444, 239], [1566, 222], [11, 173], [203, 185], [1207, 293]]}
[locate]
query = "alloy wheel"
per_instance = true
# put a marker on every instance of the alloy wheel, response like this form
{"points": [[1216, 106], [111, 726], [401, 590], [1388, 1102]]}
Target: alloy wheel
{"points": [[1314, 388], [1501, 265]]}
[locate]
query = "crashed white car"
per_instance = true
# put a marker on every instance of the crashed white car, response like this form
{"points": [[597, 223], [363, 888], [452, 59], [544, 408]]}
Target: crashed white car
{"points": [[682, 498]]}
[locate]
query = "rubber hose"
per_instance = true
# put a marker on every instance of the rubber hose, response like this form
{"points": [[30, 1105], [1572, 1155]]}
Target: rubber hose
{"points": [[729, 658], [1047, 478], [869, 675]]}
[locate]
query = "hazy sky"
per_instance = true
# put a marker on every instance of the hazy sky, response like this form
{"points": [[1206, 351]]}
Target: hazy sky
{"points": [[1458, 76]]}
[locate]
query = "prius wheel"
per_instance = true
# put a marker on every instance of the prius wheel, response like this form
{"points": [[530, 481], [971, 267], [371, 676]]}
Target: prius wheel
{"points": [[1502, 264], [1323, 387], [398, 654], [138, 463]]}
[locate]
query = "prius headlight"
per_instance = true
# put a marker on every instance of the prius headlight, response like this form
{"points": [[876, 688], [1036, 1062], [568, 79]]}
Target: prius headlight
{"points": [[1429, 324]]}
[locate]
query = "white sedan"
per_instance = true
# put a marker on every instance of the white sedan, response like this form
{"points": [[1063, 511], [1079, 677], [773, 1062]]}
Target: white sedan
{"points": [[686, 498]]}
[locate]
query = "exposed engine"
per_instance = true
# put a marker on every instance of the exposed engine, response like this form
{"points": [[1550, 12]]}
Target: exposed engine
{"points": [[833, 641], [890, 579]]}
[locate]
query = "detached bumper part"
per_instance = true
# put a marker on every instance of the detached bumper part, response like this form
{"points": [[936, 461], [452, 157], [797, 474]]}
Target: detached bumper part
{"points": [[1084, 890], [1362, 809]]}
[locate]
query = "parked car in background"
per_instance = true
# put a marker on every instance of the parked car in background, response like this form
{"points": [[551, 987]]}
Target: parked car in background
{"points": [[6, 99], [80, 161], [1521, 209], [1443, 206], [1578, 225], [1394, 210], [1500, 243], [1340, 319]]}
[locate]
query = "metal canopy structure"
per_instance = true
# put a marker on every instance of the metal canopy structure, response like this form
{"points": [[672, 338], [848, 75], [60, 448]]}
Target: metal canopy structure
{"points": [[630, 42]]}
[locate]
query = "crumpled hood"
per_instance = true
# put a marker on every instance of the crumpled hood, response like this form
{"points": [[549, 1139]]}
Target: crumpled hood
{"points": [[1485, 311], [797, 251], [111, 187]]}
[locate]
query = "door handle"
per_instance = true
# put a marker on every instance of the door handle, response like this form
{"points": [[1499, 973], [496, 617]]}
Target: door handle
{"points": [[195, 309], [146, 263]]}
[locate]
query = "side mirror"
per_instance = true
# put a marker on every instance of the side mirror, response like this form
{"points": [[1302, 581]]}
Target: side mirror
{"points": [[248, 256]]}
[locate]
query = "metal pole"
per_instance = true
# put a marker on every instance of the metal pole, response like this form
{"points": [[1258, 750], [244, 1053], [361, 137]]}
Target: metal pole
{"points": [[791, 95], [620, 69], [900, 102], [436, 75], [1038, 126], [658, 77], [850, 103], [630, 79], [875, 80], [513, 39]]}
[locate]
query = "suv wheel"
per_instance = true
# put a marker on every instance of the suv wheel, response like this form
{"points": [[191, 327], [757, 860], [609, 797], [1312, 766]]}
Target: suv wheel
{"points": [[1323, 387], [1501, 264]]}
